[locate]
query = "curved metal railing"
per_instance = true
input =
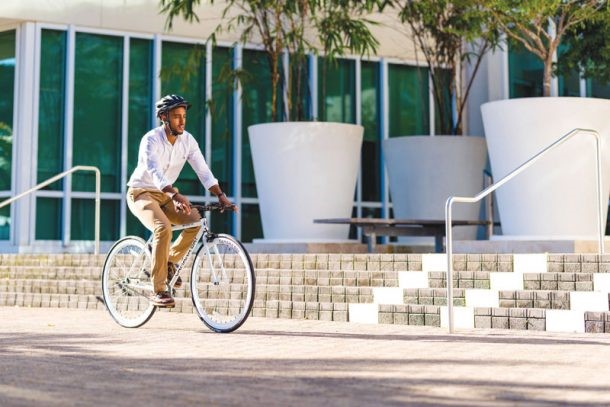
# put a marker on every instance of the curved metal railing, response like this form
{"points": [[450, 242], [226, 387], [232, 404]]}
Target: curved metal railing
{"points": [[493, 187], [60, 176]]}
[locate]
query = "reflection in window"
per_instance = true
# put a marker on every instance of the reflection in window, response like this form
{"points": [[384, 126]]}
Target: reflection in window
{"points": [[409, 101], [597, 89], [525, 72], [183, 73], [336, 90], [51, 106], [371, 145], [7, 88], [97, 110]]}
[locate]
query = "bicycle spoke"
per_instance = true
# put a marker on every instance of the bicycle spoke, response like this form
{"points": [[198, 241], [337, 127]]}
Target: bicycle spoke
{"points": [[222, 284], [126, 282]]}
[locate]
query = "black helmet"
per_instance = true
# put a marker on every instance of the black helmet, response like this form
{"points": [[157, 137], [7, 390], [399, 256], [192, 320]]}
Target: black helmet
{"points": [[168, 102]]}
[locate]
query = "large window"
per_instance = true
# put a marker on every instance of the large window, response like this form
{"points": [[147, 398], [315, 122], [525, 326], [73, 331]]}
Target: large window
{"points": [[183, 73], [409, 98], [256, 108], [97, 129], [51, 131], [7, 87], [337, 90], [525, 71], [139, 111], [221, 110], [371, 146], [597, 89]]}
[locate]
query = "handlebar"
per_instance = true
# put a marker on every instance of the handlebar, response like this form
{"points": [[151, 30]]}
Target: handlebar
{"points": [[216, 206]]}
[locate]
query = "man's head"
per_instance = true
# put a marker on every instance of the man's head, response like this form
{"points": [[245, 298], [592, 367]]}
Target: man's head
{"points": [[171, 109]]}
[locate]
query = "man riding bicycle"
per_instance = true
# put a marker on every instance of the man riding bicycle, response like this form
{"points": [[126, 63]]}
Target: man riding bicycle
{"points": [[154, 200]]}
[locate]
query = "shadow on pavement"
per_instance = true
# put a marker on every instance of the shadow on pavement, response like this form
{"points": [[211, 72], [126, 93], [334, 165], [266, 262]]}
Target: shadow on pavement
{"points": [[62, 369]]}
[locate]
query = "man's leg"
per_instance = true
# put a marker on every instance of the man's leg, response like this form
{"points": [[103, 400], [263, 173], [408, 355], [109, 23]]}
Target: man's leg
{"points": [[146, 206], [182, 243]]}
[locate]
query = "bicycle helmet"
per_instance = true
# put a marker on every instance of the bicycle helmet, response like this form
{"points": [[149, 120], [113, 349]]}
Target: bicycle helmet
{"points": [[169, 102]]}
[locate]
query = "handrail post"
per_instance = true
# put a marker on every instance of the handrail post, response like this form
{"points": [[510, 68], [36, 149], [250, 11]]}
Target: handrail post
{"points": [[487, 191], [449, 250], [600, 200], [57, 177]]}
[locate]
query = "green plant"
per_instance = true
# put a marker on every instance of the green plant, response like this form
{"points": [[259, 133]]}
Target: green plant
{"points": [[450, 33], [541, 25], [588, 49], [298, 27]]}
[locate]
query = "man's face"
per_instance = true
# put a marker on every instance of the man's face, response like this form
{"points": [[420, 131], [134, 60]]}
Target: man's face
{"points": [[177, 118]]}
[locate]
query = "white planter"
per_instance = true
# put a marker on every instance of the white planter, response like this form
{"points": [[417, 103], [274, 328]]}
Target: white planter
{"points": [[556, 197], [426, 170], [305, 171]]}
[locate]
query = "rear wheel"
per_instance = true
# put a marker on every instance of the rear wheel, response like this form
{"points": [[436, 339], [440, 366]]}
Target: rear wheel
{"points": [[222, 284], [126, 283]]}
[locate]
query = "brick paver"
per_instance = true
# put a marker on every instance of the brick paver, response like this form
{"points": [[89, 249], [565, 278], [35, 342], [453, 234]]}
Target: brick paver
{"points": [[81, 357]]}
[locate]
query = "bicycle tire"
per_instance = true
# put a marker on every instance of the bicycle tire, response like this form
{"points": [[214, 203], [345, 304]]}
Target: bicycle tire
{"points": [[223, 307], [126, 284]]}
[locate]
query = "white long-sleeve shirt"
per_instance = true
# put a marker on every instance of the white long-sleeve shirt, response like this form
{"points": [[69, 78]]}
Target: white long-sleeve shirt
{"points": [[160, 162]]}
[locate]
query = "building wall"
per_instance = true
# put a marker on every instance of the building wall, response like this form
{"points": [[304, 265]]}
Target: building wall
{"points": [[142, 16], [84, 76], [84, 96]]}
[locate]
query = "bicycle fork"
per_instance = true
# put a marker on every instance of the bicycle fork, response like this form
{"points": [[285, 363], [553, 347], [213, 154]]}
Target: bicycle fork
{"points": [[215, 279]]}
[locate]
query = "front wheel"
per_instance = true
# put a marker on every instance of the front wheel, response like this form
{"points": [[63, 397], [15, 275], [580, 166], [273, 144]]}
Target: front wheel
{"points": [[222, 284], [126, 284]]}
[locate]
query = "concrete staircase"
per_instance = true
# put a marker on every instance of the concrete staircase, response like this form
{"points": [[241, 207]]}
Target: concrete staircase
{"points": [[552, 292]]}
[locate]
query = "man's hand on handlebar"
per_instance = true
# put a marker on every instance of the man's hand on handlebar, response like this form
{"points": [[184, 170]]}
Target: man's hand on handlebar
{"points": [[226, 204]]}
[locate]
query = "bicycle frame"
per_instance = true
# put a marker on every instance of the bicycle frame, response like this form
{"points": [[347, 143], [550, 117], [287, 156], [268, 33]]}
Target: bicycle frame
{"points": [[203, 231]]}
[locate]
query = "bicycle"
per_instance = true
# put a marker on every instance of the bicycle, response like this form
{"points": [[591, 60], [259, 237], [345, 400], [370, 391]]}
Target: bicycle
{"points": [[222, 278]]}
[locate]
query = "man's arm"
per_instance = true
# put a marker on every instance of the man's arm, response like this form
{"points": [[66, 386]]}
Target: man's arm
{"points": [[222, 197]]}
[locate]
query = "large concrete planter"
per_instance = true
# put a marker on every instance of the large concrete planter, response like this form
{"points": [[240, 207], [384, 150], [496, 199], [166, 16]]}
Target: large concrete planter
{"points": [[305, 171], [556, 197], [426, 170]]}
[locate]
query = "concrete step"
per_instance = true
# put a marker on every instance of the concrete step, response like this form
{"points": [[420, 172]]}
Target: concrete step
{"points": [[531, 291], [584, 263], [355, 278], [553, 299], [312, 293], [50, 272], [484, 318]]}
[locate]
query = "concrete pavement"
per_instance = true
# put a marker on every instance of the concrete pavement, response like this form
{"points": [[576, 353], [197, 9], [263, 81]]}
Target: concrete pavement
{"points": [[81, 357]]}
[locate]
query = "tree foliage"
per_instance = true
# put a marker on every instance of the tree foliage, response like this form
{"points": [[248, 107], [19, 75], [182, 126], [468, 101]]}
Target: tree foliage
{"points": [[450, 33], [588, 48], [292, 26], [541, 25]]}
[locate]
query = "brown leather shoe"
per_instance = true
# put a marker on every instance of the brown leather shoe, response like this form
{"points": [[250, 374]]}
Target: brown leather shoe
{"points": [[163, 299], [171, 270]]}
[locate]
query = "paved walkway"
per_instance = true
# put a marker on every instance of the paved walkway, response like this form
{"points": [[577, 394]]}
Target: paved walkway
{"points": [[77, 357]]}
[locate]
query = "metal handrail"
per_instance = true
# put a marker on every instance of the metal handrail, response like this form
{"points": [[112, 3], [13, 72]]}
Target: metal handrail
{"points": [[60, 176], [493, 187]]}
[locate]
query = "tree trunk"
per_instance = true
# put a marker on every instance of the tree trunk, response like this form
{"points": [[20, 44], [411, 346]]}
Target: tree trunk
{"points": [[548, 75]]}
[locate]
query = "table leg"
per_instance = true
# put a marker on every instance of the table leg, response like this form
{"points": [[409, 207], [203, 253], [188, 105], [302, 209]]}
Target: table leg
{"points": [[438, 243], [371, 241]]}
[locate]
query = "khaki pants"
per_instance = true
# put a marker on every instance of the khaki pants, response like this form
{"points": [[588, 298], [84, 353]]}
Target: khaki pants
{"points": [[157, 212]]}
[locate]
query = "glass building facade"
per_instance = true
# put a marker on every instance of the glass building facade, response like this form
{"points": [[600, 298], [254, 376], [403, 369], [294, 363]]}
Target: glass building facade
{"points": [[93, 99], [95, 93]]}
